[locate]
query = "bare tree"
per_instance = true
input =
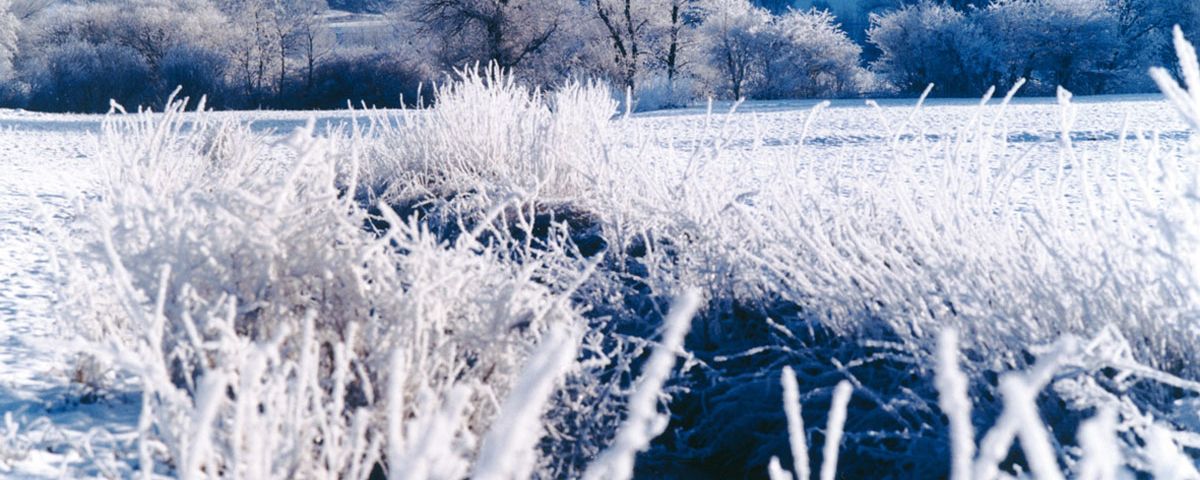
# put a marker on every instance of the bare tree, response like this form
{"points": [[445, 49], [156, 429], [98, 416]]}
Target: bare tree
{"points": [[733, 42], [251, 43], [294, 26], [266, 36], [315, 41]]}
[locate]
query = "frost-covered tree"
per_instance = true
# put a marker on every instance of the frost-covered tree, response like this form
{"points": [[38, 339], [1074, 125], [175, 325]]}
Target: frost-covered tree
{"points": [[507, 32], [63, 49], [646, 46], [1049, 42], [627, 23], [1082, 33], [256, 42], [918, 45], [293, 27], [312, 39], [8, 39], [681, 17], [646, 34], [244, 44], [149, 27], [152, 27], [812, 57], [197, 71], [797, 54], [1144, 36], [26, 10], [734, 43]]}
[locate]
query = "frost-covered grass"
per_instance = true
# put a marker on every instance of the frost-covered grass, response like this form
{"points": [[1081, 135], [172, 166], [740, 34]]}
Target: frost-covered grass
{"points": [[500, 287]]}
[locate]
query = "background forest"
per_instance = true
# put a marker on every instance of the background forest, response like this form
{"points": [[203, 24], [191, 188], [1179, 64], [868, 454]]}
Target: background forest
{"points": [[61, 55]]}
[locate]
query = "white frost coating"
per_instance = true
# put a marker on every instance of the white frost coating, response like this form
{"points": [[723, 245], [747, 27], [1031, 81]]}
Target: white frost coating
{"points": [[952, 398], [644, 422], [833, 433], [1167, 462], [1189, 65], [999, 439], [796, 437], [508, 448], [1019, 399], [208, 400], [396, 381], [777, 472], [1101, 453], [1187, 103], [434, 454]]}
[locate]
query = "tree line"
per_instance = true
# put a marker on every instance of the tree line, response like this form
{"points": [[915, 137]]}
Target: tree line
{"points": [[74, 56]]}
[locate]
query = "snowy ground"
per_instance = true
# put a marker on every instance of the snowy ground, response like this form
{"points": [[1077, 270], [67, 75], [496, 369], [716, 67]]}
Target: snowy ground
{"points": [[46, 163]]}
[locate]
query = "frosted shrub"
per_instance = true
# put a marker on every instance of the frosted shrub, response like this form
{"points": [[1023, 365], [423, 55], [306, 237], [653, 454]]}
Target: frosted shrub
{"points": [[197, 70], [919, 45], [854, 276], [492, 135], [375, 78], [811, 57], [78, 77], [659, 92], [237, 281], [1069, 366], [508, 166], [14, 445], [851, 275]]}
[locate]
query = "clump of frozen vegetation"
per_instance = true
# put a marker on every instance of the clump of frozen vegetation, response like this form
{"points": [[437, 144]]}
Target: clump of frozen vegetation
{"points": [[477, 289], [274, 333]]}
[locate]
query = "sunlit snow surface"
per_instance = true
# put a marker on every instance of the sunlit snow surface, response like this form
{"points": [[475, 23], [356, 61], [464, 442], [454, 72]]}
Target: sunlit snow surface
{"points": [[47, 162]]}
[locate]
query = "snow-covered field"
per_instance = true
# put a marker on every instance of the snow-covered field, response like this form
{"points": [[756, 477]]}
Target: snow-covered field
{"points": [[49, 164], [43, 169]]}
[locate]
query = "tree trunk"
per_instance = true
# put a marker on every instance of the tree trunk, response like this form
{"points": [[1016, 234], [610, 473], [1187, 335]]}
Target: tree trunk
{"points": [[282, 64], [312, 60], [673, 48], [631, 29]]}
